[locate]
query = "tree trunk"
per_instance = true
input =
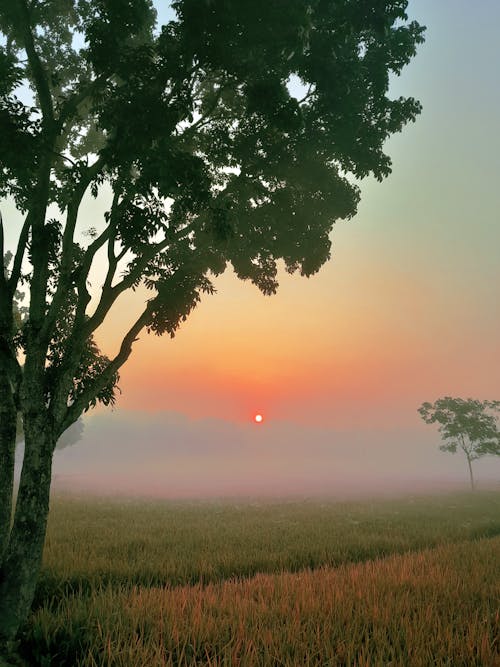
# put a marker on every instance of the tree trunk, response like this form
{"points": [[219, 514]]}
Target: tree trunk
{"points": [[469, 462], [8, 417], [23, 557]]}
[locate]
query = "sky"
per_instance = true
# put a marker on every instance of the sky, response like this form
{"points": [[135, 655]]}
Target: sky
{"points": [[406, 311]]}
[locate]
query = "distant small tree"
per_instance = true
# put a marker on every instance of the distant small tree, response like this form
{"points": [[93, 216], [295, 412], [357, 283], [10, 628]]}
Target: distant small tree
{"points": [[466, 424]]}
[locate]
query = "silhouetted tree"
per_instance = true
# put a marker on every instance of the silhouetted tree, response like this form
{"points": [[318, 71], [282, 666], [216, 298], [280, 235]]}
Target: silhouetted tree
{"points": [[465, 424], [74, 432], [210, 159]]}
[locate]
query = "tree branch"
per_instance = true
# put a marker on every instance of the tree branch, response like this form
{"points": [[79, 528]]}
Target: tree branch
{"points": [[70, 107], [2, 248], [110, 295], [81, 284], [8, 359], [205, 117], [22, 244], [83, 329], [3, 279], [308, 95], [39, 202], [75, 410], [76, 341], [5, 302], [66, 267], [112, 258], [73, 208], [39, 76]]}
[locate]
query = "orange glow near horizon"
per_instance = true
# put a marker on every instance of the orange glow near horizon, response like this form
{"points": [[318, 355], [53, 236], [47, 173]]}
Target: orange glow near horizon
{"points": [[370, 352]]}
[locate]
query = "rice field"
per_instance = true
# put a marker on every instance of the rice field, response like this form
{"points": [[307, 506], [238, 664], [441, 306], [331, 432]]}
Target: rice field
{"points": [[414, 581]]}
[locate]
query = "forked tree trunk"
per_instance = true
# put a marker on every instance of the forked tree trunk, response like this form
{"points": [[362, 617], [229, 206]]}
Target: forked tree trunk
{"points": [[23, 556], [7, 456]]}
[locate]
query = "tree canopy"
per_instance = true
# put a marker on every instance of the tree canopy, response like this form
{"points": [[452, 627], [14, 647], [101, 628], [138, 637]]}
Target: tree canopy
{"points": [[210, 156], [468, 425]]}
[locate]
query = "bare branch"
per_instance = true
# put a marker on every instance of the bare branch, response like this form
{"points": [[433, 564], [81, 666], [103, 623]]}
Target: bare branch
{"points": [[77, 339], [83, 329]]}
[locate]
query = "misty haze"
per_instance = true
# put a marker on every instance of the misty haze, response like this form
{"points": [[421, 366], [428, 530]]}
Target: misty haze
{"points": [[173, 456]]}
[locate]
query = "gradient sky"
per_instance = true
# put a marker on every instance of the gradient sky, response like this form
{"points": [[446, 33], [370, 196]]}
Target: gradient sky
{"points": [[407, 310]]}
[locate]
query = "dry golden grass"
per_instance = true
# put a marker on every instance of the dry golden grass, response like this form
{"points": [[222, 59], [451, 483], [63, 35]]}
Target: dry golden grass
{"points": [[110, 599], [95, 541], [437, 607]]}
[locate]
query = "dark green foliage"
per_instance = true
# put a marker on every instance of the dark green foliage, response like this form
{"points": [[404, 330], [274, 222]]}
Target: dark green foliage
{"points": [[211, 91]]}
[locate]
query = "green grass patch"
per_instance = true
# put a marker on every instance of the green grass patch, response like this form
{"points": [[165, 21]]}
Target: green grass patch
{"points": [[292, 583]]}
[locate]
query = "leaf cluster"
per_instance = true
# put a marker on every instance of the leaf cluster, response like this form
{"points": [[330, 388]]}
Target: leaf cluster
{"points": [[467, 424]]}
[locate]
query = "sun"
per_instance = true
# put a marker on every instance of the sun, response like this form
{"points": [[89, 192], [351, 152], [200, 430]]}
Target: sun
{"points": [[258, 419]]}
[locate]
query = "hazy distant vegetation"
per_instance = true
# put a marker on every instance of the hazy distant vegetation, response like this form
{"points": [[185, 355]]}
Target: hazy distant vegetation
{"points": [[468, 425], [401, 582]]}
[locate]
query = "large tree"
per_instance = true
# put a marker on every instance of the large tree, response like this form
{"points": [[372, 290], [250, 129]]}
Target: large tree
{"points": [[231, 135], [467, 425]]}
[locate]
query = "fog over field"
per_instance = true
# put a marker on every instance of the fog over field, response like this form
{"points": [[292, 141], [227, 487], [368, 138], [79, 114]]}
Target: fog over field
{"points": [[170, 455]]}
